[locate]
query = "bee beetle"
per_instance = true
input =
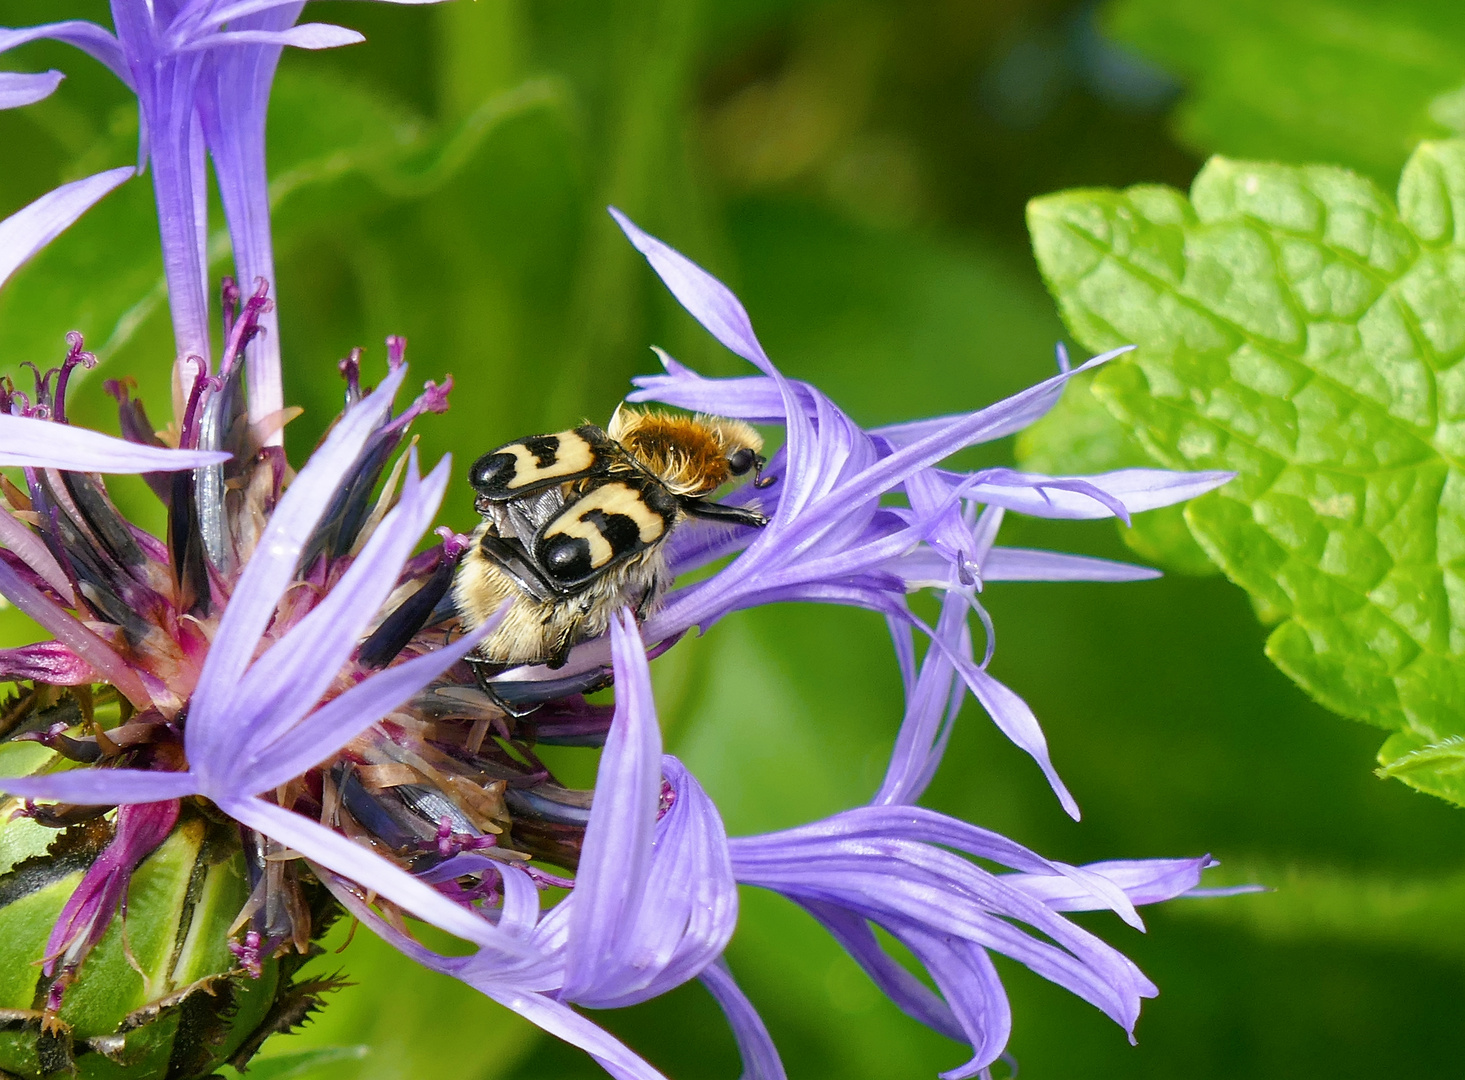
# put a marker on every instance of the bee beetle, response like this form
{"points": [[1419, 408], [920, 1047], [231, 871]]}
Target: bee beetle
{"points": [[574, 524]]}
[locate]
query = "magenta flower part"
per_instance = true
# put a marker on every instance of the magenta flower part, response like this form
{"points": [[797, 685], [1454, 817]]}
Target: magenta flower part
{"points": [[88, 911]]}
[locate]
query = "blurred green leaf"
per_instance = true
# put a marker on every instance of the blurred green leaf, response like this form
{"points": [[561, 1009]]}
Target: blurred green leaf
{"points": [[337, 151], [1306, 902], [1350, 81], [1296, 327], [92, 278]]}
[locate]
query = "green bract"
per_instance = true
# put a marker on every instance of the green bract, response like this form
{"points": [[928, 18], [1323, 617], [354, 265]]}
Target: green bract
{"points": [[161, 997], [1297, 327]]}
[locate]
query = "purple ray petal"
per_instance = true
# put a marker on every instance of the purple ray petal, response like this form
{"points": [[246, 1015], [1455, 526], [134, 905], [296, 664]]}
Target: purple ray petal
{"points": [[340, 720], [88, 37], [708, 300], [1012, 715], [1011, 415], [905, 822], [18, 88], [913, 823], [525, 968], [1043, 496], [984, 531], [909, 884], [304, 36], [233, 104], [968, 980], [43, 444], [521, 901], [1025, 564], [32, 227], [286, 682], [685, 917], [272, 567], [103, 787], [903, 639], [1136, 490], [615, 862], [359, 864], [755, 1046], [1144, 881], [230, 12], [945, 526], [755, 398], [936, 442], [167, 89], [564, 1023], [931, 709]]}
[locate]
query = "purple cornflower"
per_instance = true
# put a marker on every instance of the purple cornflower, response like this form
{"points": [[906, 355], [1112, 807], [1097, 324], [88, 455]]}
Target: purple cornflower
{"points": [[282, 654]]}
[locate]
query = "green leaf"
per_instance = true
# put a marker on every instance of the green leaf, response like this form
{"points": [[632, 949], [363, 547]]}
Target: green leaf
{"points": [[1350, 81], [1438, 768], [1297, 327]]}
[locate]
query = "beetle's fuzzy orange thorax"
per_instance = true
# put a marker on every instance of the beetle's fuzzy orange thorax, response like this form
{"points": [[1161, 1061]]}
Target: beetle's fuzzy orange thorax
{"points": [[688, 453]]}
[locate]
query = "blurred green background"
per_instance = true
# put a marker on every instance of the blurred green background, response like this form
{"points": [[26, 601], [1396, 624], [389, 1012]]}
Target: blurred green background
{"points": [[857, 171]]}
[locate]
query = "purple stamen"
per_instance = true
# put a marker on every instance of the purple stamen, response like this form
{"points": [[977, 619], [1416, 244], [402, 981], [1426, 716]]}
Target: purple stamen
{"points": [[42, 408], [246, 326], [666, 800], [188, 437], [433, 399], [396, 351], [545, 880], [450, 843], [454, 543], [75, 356], [229, 298], [350, 369]]}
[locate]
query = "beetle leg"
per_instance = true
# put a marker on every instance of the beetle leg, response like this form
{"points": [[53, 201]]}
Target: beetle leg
{"points": [[732, 515]]}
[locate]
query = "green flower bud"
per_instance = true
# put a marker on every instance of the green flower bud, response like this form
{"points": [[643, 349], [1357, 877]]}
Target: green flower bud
{"points": [[161, 996]]}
